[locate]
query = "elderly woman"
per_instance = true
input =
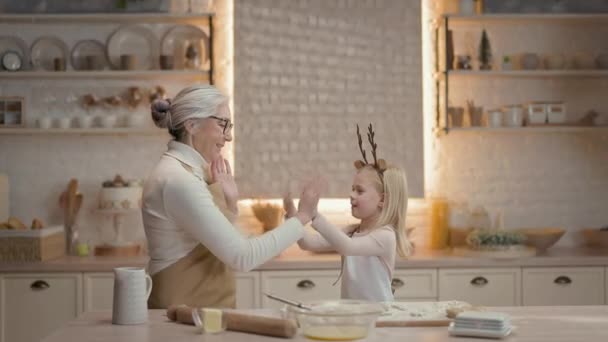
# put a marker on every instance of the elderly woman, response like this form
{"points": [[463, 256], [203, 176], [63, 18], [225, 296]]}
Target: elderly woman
{"points": [[190, 204]]}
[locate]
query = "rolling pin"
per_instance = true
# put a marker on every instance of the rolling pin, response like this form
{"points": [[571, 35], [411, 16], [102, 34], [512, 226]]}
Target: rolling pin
{"points": [[242, 322]]}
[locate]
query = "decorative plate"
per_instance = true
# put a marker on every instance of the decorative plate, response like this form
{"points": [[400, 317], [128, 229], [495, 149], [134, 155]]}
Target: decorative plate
{"points": [[45, 50], [176, 40], [136, 40], [88, 55], [15, 44]]}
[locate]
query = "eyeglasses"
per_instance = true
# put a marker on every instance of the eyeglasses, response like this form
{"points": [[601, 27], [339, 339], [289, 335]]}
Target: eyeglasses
{"points": [[225, 123]]}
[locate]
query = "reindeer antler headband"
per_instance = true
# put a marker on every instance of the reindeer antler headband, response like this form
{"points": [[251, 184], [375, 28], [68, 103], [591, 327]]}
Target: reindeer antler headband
{"points": [[379, 164]]}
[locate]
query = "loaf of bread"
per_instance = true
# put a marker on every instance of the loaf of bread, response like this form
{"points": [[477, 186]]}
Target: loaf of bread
{"points": [[14, 223], [37, 224], [4, 225]]}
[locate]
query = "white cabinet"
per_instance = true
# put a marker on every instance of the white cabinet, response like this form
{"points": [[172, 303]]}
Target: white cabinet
{"points": [[247, 290], [563, 286], [34, 305], [415, 285], [98, 291], [490, 286], [302, 286]]}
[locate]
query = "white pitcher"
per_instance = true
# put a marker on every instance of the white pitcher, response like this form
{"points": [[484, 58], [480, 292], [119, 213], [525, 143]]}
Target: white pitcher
{"points": [[132, 287]]}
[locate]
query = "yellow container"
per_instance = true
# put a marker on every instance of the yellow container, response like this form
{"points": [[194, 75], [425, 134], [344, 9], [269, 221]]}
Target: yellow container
{"points": [[439, 232]]}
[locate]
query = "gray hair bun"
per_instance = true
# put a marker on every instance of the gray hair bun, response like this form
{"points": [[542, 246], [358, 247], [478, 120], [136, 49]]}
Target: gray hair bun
{"points": [[161, 112]]}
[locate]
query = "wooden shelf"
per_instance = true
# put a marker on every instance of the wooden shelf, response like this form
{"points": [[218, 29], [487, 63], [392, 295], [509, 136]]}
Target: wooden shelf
{"points": [[106, 74], [583, 17], [530, 73], [106, 17], [533, 129], [82, 131]]}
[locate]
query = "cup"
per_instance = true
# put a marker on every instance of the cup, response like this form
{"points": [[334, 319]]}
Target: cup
{"points": [[513, 116], [456, 116], [84, 121], [135, 120], [128, 62], [92, 62], [166, 62], [494, 118], [58, 64], [65, 122], [45, 122], [108, 121], [476, 116], [132, 288]]}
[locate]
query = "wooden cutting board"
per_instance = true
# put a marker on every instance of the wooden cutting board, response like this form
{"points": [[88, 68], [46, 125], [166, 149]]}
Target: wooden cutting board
{"points": [[4, 199], [420, 314]]}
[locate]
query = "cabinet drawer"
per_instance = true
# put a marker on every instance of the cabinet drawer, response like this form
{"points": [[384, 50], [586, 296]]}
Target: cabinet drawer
{"points": [[415, 284], [488, 286], [301, 286], [98, 291], [36, 304], [563, 286], [247, 290]]}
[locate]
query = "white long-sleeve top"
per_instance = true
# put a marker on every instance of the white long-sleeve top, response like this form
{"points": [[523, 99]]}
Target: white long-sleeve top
{"points": [[368, 258], [178, 213]]}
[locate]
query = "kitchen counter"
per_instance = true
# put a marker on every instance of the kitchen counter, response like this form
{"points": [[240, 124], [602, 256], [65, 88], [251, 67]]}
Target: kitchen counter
{"points": [[539, 324], [296, 259]]}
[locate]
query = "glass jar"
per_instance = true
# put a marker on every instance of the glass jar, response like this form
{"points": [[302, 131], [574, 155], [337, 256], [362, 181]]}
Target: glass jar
{"points": [[439, 233]]}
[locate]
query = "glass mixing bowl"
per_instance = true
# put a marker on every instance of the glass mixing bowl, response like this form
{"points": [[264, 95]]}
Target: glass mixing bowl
{"points": [[339, 320]]}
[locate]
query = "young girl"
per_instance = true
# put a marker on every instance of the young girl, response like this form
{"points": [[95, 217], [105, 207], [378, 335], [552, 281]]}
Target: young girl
{"points": [[379, 199]]}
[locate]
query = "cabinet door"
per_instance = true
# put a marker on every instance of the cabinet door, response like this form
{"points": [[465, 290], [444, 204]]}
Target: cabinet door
{"points": [[302, 286], [415, 285], [563, 286], [487, 286], [247, 290], [98, 291], [37, 304]]}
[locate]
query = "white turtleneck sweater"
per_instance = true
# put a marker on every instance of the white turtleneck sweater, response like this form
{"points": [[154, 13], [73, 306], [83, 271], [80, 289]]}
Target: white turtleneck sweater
{"points": [[178, 213]]}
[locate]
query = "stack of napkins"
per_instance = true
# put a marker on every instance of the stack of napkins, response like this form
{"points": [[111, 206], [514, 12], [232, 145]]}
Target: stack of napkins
{"points": [[481, 324]]}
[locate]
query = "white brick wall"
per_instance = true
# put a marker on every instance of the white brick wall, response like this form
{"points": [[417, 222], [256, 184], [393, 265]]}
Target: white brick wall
{"points": [[536, 179], [306, 72]]}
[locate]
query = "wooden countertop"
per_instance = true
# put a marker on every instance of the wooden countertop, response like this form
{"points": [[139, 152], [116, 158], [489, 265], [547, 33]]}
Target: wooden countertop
{"points": [[296, 259], [538, 324]]}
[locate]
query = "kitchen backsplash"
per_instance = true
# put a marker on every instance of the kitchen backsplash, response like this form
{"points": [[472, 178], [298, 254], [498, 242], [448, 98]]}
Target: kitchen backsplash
{"points": [[306, 72]]}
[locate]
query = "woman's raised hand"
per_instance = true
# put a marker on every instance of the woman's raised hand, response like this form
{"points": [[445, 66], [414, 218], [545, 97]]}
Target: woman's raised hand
{"points": [[289, 207], [222, 173]]}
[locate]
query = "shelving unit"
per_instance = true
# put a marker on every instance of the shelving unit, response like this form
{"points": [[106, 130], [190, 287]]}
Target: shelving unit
{"points": [[529, 73], [586, 18], [107, 74], [106, 18], [534, 129], [30, 26], [82, 131], [443, 75]]}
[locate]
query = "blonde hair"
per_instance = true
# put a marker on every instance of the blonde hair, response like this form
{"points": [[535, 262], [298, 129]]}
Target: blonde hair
{"points": [[393, 186], [195, 102]]}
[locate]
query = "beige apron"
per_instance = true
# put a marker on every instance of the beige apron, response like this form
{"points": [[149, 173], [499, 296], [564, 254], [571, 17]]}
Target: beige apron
{"points": [[199, 279]]}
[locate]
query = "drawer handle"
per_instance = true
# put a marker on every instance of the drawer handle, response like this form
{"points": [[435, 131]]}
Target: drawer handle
{"points": [[563, 280], [306, 284], [39, 285], [397, 283], [479, 281]]}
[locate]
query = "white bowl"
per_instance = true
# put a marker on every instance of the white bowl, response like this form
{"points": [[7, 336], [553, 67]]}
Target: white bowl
{"points": [[337, 319]]}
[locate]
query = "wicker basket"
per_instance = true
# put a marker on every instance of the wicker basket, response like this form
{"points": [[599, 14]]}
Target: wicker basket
{"points": [[32, 245]]}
